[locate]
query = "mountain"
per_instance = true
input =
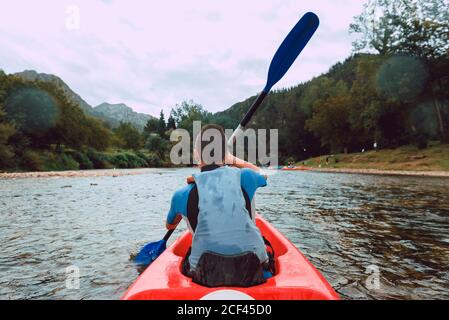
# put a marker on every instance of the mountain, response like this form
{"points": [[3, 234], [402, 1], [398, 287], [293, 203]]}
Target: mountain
{"points": [[32, 75], [116, 113], [113, 114]]}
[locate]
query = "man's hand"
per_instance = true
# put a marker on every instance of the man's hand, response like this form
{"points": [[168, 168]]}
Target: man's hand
{"points": [[172, 226]]}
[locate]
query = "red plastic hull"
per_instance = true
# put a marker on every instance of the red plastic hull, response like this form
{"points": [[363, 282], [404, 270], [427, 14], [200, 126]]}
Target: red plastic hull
{"points": [[296, 278], [296, 169]]}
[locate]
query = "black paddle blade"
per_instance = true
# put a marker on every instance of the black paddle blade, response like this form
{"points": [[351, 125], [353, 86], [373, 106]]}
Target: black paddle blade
{"points": [[290, 49]]}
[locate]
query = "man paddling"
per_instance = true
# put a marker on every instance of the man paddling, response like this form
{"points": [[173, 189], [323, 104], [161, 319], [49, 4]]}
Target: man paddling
{"points": [[227, 247]]}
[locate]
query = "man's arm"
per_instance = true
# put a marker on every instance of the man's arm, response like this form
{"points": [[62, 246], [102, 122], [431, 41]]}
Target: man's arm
{"points": [[232, 160], [177, 208], [251, 181]]}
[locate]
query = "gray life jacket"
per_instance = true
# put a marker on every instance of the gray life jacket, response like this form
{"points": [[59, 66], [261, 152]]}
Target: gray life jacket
{"points": [[224, 224]]}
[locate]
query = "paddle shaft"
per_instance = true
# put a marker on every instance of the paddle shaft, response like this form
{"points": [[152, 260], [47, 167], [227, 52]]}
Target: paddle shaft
{"points": [[247, 118], [168, 235], [249, 115]]}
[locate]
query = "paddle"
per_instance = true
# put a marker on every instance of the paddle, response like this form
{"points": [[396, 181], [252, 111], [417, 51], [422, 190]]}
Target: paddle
{"points": [[284, 58], [287, 53], [152, 251]]}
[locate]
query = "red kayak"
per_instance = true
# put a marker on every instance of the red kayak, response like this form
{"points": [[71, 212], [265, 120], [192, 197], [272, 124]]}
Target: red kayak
{"points": [[296, 278], [296, 169]]}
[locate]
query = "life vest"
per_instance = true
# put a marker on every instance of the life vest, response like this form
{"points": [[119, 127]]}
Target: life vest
{"points": [[224, 224]]}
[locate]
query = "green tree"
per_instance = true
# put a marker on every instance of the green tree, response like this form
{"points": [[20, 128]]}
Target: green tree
{"points": [[383, 92], [7, 130], [330, 123], [32, 111], [162, 126], [414, 27], [129, 136], [319, 89], [330, 119], [152, 126], [188, 112], [97, 135], [69, 126], [171, 124], [378, 26], [157, 145]]}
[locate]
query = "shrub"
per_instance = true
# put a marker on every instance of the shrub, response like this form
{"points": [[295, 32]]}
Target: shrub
{"points": [[82, 159], [128, 160], [30, 160], [99, 160], [154, 161], [60, 162], [119, 161], [135, 161]]}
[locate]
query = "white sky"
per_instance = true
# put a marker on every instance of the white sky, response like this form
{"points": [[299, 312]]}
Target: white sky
{"points": [[154, 54]]}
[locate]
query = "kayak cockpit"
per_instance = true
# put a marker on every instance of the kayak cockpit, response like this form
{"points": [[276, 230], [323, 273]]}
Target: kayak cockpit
{"points": [[295, 278]]}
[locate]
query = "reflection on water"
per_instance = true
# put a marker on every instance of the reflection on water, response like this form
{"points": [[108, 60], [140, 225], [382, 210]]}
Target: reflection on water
{"points": [[343, 223]]}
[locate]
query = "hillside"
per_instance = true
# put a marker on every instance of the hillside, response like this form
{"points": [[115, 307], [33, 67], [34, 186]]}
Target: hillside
{"points": [[31, 75], [365, 99], [112, 114], [44, 128], [289, 109], [116, 113], [344, 71]]}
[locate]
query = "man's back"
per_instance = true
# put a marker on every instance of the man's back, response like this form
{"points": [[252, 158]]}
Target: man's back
{"points": [[187, 203], [224, 224]]}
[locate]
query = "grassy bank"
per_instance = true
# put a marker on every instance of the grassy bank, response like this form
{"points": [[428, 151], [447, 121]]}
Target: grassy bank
{"points": [[407, 158]]}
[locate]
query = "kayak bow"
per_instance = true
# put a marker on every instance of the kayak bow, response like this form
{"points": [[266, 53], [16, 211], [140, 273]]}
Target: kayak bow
{"points": [[296, 277]]}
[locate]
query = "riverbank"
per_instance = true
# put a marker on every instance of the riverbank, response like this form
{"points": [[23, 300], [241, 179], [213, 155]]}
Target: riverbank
{"points": [[406, 160], [75, 174], [437, 174], [131, 172]]}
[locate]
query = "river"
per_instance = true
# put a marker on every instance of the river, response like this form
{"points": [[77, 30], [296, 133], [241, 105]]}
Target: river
{"points": [[351, 227]]}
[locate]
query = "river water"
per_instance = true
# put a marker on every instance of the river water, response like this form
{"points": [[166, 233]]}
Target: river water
{"points": [[355, 229]]}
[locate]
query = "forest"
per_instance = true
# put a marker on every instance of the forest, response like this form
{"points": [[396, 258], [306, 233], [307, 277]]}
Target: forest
{"points": [[392, 91]]}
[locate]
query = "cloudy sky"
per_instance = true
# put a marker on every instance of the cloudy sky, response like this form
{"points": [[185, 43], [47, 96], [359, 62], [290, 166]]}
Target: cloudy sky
{"points": [[154, 54]]}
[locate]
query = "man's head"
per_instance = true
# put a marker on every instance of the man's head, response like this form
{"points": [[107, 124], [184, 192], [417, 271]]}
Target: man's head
{"points": [[211, 145]]}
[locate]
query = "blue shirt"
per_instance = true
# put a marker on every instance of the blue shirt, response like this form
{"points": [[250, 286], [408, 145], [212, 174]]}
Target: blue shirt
{"points": [[250, 181]]}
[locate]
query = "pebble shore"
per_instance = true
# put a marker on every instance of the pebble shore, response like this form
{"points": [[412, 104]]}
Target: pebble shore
{"points": [[75, 174]]}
